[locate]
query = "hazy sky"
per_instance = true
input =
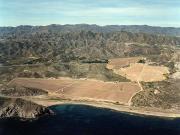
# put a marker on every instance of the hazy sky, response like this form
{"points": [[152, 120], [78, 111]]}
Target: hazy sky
{"points": [[101, 12]]}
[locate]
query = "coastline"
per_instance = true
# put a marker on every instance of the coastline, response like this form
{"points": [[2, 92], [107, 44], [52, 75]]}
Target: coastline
{"points": [[120, 108], [54, 98]]}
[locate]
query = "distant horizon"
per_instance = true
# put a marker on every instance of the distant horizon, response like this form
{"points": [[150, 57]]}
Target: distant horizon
{"points": [[163, 13], [93, 24]]}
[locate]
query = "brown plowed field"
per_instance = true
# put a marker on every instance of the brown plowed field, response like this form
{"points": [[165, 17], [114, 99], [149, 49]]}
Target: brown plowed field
{"points": [[118, 63], [129, 68], [79, 89], [143, 72]]}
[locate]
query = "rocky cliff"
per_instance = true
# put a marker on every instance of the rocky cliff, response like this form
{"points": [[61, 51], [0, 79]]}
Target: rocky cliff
{"points": [[16, 107]]}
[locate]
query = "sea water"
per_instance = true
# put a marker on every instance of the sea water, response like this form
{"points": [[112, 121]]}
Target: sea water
{"points": [[87, 120]]}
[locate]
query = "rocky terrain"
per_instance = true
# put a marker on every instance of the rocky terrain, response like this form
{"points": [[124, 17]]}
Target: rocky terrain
{"points": [[32, 48], [163, 95], [17, 107], [94, 28], [13, 102], [83, 51], [18, 91]]}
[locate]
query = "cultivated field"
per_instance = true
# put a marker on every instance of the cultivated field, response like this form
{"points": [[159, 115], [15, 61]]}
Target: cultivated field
{"points": [[118, 63], [129, 68], [83, 89], [143, 72]]}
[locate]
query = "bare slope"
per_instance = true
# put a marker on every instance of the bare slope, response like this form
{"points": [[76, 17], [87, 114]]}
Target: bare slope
{"points": [[83, 89], [129, 68], [16, 107]]}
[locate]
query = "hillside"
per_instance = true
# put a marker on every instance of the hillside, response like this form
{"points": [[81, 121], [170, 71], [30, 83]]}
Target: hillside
{"points": [[16, 107], [80, 51], [40, 47], [170, 31]]}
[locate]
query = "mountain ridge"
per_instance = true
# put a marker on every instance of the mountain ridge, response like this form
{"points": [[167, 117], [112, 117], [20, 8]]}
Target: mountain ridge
{"points": [[168, 31], [84, 44]]}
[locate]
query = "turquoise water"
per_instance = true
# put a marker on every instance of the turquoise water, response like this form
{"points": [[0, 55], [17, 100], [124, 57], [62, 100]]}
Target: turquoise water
{"points": [[86, 120]]}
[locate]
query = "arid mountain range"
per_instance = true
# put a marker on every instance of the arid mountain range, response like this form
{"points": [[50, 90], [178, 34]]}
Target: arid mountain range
{"points": [[171, 31], [65, 43], [83, 51]]}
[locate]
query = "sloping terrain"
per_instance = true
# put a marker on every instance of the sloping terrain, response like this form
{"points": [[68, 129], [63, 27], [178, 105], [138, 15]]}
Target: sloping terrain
{"points": [[118, 63], [134, 71], [143, 72], [55, 70], [83, 89], [165, 94], [176, 75], [16, 107], [28, 48], [95, 28], [17, 91], [80, 51]]}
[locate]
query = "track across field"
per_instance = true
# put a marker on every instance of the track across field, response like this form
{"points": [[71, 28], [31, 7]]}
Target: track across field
{"points": [[82, 89]]}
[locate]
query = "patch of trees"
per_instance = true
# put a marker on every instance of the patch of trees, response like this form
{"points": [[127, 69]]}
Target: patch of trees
{"points": [[94, 61]]}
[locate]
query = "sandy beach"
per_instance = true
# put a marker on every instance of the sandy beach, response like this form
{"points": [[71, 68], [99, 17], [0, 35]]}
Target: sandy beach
{"points": [[116, 107]]}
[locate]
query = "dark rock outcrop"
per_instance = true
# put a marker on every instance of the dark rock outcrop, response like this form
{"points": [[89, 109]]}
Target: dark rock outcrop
{"points": [[16, 107]]}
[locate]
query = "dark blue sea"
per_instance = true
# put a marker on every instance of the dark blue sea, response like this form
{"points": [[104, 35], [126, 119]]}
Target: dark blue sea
{"points": [[86, 120]]}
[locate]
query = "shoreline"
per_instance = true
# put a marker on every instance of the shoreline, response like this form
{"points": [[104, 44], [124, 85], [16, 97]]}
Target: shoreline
{"points": [[120, 108], [54, 98]]}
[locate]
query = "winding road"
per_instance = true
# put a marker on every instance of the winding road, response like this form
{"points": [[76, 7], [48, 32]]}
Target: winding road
{"points": [[138, 82]]}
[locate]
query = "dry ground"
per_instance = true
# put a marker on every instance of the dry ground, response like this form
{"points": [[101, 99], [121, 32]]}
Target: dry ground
{"points": [[118, 63], [143, 72], [176, 75], [137, 71], [83, 89]]}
